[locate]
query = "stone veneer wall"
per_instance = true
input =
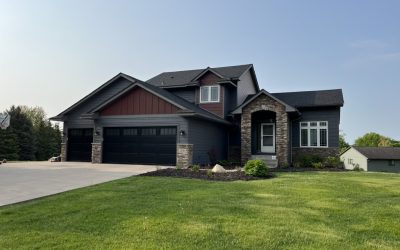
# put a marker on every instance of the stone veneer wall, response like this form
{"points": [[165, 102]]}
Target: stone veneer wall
{"points": [[264, 102], [63, 151], [184, 155], [297, 153], [97, 152]]}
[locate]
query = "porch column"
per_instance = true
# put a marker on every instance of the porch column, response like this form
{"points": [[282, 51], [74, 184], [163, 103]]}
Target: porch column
{"points": [[282, 137], [245, 125]]}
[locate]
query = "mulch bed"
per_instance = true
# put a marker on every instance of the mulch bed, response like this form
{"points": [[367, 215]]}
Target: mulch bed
{"points": [[202, 174], [308, 169]]}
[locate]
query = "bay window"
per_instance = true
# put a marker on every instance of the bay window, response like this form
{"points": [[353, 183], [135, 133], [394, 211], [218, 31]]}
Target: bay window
{"points": [[314, 134]]}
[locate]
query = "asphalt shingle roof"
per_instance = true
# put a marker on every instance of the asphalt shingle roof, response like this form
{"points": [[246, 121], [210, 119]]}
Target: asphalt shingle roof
{"points": [[380, 153], [174, 98], [185, 77], [317, 98]]}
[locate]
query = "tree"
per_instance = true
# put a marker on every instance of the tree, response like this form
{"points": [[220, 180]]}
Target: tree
{"points": [[343, 145], [375, 140], [8, 145], [22, 128], [48, 140]]}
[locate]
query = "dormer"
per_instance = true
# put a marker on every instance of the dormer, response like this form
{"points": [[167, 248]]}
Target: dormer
{"points": [[217, 90]]}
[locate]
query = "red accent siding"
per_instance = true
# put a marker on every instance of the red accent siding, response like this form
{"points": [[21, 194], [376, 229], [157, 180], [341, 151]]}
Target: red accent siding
{"points": [[138, 102], [218, 107]]}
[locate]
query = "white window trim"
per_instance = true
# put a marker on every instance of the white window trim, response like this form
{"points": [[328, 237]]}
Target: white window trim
{"points": [[209, 94], [318, 127]]}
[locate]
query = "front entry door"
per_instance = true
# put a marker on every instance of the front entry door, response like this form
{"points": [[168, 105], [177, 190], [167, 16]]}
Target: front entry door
{"points": [[268, 137]]}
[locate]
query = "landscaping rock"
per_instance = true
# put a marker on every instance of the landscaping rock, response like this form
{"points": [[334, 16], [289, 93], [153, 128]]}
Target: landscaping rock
{"points": [[218, 169]]}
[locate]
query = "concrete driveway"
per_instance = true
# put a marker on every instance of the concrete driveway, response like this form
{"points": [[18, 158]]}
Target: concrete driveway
{"points": [[29, 180]]}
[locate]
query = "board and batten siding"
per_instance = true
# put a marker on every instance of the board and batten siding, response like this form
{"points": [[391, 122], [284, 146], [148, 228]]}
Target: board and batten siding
{"points": [[331, 115], [138, 101], [216, 108], [206, 137], [352, 158]]}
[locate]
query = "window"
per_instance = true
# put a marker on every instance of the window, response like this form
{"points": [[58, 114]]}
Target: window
{"points": [[167, 131], [392, 163], [130, 131], [314, 134], [149, 131], [209, 94]]}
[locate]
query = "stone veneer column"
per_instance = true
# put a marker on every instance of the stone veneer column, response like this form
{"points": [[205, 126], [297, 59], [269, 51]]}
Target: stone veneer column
{"points": [[184, 155], [97, 152], [245, 127], [63, 151], [282, 137], [264, 102]]}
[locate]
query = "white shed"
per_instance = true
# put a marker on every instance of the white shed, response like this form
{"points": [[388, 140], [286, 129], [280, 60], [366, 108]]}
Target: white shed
{"points": [[385, 159]]}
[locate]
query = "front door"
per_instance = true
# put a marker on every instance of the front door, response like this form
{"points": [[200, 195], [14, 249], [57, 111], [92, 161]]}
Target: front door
{"points": [[268, 137]]}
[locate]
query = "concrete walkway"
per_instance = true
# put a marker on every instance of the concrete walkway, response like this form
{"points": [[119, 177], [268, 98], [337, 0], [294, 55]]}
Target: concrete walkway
{"points": [[29, 180]]}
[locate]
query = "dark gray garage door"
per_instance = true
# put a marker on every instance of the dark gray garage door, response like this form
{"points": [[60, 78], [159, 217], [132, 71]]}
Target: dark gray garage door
{"points": [[80, 144], [144, 145]]}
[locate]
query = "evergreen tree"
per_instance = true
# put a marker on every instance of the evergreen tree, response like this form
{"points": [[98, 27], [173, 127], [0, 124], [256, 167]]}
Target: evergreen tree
{"points": [[23, 130], [8, 145]]}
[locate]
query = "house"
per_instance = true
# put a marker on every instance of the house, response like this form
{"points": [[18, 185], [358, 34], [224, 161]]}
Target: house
{"points": [[198, 117], [385, 159]]}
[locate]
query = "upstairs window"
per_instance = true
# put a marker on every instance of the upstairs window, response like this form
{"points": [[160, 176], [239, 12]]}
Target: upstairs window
{"points": [[314, 134], [209, 94]]}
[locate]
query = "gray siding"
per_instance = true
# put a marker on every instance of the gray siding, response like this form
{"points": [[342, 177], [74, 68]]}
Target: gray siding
{"points": [[229, 99], [96, 100], [186, 93], [331, 115], [383, 166], [245, 87], [206, 136]]}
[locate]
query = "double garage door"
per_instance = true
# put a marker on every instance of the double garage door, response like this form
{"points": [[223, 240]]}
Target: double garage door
{"points": [[140, 145]]}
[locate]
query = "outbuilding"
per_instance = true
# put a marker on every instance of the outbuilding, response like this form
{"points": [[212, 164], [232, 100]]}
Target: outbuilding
{"points": [[384, 159]]}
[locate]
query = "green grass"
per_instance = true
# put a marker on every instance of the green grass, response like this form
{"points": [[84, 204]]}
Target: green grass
{"points": [[346, 210]]}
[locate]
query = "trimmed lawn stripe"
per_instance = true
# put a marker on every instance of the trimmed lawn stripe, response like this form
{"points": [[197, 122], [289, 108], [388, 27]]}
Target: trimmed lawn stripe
{"points": [[320, 210]]}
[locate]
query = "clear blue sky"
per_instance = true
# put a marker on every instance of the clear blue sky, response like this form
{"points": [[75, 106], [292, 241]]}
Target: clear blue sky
{"points": [[52, 53]]}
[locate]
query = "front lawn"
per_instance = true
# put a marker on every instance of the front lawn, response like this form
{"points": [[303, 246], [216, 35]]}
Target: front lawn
{"points": [[320, 210]]}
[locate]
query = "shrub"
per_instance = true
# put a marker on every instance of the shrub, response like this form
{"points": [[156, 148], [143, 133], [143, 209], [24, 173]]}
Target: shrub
{"points": [[317, 165], [307, 161], [256, 168], [296, 164], [357, 168], [210, 173], [178, 167], [195, 168], [285, 165], [231, 164], [332, 162]]}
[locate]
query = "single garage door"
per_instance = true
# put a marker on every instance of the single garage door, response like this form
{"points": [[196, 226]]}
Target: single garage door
{"points": [[144, 145], [80, 144]]}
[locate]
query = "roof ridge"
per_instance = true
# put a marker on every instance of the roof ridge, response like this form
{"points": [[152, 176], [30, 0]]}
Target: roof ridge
{"points": [[208, 67], [306, 91]]}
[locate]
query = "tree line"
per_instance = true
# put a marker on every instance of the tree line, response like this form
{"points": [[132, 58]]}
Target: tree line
{"points": [[30, 136], [369, 140]]}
